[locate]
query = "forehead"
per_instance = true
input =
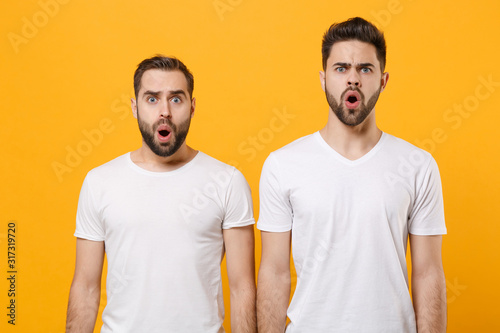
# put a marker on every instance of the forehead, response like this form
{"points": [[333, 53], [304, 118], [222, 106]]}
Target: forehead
{"points": [[353, 51], [160, 80]]}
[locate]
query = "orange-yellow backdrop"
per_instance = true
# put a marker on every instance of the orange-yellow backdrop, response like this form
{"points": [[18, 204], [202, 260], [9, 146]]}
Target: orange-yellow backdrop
{"points": [[67, 69]]}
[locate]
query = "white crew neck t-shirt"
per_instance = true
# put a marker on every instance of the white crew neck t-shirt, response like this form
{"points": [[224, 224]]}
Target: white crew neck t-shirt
{"points": [[350, 222], [163, 241]]}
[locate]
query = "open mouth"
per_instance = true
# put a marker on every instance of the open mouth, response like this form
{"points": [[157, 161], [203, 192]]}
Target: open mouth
{"points": [[164, 132], [352, 99]]}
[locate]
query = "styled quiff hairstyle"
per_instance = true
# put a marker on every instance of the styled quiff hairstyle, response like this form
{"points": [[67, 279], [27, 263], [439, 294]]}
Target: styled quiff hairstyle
{"points": [[165, 64], [354, 28]]}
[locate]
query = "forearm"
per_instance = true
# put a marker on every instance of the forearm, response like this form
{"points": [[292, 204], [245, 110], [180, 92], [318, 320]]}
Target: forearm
{"points": [[429, 301], [273, 294], [243, 316], [82, 309]]}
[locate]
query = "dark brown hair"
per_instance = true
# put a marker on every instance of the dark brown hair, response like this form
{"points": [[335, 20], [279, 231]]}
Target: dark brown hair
{"points": [[166, 64], [354, 28]]}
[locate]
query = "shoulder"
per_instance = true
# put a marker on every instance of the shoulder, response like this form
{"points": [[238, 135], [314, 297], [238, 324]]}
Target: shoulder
{"points": [[210, 164], [213, 169], [221, 177], [294, 158], [402, 149], [297, 148], [109, 168], [407, 160]]}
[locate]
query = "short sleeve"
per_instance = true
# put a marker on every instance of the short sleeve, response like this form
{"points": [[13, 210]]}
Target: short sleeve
{"points": [[238, 203], [427, 213], [88, 223], [276, 213]]}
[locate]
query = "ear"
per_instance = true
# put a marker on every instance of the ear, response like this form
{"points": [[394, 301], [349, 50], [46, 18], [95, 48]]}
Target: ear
{"points": [[383, 81], [133, 103], [193, 106], [322, 77]]}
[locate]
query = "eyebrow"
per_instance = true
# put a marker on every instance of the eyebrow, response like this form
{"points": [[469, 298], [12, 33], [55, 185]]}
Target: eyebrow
{"points": [[346, 64], [170, 92], [177, 92]]}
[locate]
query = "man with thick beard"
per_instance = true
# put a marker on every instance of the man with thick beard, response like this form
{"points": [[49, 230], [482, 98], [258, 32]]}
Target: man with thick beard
{"points": [[346, 199], [164, 214]]}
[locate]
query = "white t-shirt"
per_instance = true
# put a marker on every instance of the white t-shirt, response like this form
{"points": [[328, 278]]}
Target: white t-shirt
{"points": [[350, 222], [163, 239]]}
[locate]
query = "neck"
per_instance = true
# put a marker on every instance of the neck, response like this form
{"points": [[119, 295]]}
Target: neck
{"points": [[352, 142], [148, 160]]}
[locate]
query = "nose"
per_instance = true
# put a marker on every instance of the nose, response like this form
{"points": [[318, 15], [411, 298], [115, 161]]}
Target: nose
{"points": [[165, 110], [353, 79]]}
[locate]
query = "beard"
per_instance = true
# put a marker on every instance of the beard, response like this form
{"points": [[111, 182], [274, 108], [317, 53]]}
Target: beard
{"points": [[164, 149], [352, 117]]}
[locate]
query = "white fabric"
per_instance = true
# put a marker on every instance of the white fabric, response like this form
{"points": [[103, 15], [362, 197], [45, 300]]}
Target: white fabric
{"points": [[163, 240], [350, 222]]}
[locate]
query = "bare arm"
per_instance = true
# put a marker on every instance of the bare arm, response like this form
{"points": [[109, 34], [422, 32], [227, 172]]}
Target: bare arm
{"points": [[240, 260], [273, 291], [85, 290], [428, 283]]}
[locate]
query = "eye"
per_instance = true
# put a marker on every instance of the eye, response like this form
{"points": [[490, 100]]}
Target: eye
{"points": [[176, 100], [365, 70], [340, 69], [152, 99]]}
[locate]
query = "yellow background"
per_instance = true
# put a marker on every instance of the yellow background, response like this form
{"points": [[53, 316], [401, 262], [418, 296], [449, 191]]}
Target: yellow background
{"points": [[71, 73]]}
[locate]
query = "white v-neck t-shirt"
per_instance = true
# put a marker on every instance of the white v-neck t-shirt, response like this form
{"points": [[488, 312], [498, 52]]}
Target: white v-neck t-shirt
{"points": [[163, 239], [350, 222]]}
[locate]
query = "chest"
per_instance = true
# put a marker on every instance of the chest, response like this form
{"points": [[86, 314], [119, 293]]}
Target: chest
{"points": [[173, 209], [349, 196]]}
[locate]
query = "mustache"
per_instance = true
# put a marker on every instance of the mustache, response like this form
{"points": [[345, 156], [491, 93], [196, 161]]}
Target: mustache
{"points": [[351, 88], [164, 121]]}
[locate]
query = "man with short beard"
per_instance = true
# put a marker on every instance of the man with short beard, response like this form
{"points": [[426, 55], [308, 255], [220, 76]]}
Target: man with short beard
{"points": [[346, 199], [164, 214]]}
